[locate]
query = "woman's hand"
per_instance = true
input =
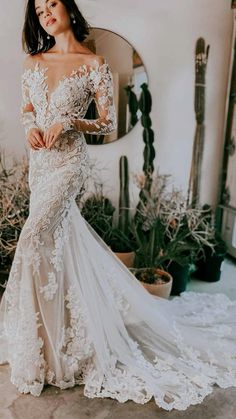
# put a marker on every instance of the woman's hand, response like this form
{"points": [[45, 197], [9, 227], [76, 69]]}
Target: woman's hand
{"points": [[51, 134], [35, 138]]}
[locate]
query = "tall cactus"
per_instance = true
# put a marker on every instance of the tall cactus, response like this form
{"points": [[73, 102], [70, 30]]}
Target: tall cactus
{"points": [[145, 105], [122, 236], [124, 214], [201, 58]]}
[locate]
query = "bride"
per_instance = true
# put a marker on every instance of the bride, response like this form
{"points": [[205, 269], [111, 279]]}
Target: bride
{"points": [[71, 312]]}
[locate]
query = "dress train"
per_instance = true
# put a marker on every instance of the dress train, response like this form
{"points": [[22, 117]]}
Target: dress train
{"points": [[96, 325]]}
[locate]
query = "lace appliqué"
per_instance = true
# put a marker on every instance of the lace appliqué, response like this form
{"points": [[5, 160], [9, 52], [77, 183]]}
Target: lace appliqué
{"points": [[203, 311], [61, 236], [76, 345], [119, 297], [69, 101], [50, 289], [21, 324]]}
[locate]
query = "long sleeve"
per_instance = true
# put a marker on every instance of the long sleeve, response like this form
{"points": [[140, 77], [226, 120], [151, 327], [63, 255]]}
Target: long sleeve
{"points": [[27, 112], [103, 94]]}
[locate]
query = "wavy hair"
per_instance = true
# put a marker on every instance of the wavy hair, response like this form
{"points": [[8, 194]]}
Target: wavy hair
{"points": [[34, 37]]}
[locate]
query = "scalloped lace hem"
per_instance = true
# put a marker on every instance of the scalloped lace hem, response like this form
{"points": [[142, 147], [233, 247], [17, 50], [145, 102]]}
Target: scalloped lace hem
{"points": [[125, 384]]}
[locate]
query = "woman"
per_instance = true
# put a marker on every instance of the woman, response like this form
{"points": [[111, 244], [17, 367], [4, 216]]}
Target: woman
{"points": [[72, 313]]}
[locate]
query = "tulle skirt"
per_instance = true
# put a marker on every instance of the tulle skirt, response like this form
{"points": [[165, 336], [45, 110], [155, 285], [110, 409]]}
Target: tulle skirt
{"points": [[73, 314]]}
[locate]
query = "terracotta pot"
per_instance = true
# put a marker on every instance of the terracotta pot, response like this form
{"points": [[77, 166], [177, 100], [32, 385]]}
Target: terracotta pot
{"points": [[127, 258], [160, 289]]}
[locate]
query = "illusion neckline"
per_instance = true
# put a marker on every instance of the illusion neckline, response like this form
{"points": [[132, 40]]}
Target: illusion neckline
{"points": [[38, 67], [95, 66]]}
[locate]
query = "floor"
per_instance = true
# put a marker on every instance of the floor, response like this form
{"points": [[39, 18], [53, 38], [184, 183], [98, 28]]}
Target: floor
{"points": [[227, 283], [72, 404]]}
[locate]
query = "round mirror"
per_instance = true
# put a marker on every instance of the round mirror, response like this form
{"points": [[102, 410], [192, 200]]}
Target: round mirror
{"points": [[128, 75]]}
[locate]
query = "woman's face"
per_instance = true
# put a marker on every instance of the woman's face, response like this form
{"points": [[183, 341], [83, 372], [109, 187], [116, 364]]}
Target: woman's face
{"points": [[52, 15]]}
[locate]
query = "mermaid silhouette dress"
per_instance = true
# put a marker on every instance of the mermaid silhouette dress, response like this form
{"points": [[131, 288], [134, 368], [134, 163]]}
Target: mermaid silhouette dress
{"points": [[72, 313]]}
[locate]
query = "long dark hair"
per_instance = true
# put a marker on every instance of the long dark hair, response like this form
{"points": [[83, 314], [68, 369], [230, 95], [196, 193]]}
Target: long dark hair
{"points": [[34, 37]]}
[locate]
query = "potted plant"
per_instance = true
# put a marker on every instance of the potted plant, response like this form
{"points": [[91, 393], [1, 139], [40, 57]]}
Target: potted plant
{"points": [[155, 280], [149, 236], [208, 264], [148, 261], [169, 234], [123, 245], [187, 234]]}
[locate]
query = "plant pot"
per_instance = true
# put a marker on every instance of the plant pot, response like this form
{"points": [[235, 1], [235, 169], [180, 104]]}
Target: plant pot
{"points": [[209, 269], [126, 257], [161, 289], [180, 275]]}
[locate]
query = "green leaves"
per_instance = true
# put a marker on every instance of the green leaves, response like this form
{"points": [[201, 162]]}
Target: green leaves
{"points": [[168, 229], [98, 212]]}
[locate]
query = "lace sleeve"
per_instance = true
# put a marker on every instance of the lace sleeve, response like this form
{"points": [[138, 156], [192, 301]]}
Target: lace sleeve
{"points": [[103, 93], [27, 112]]}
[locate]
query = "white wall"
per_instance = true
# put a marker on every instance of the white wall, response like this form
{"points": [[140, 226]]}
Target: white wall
{"points": [[164, 34]]}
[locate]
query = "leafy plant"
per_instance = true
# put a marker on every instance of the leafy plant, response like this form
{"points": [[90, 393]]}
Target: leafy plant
{"points": [[169, 230], [218, 245], [122, 242], [98, 212], [14, 206]]}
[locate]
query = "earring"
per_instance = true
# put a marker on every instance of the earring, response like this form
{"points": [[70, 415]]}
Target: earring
{"points": [[48, 37], [72, 17]]}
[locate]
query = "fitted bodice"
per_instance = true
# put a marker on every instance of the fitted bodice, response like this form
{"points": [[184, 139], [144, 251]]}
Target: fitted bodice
{"points": [[67, 101], [71, 96]]}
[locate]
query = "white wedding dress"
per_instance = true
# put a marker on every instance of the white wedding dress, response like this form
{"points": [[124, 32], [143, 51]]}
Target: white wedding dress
{"points": [[71, 312]]}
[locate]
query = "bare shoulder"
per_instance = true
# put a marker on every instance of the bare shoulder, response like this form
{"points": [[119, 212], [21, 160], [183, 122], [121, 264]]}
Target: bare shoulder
{"points": [[90, 57]]}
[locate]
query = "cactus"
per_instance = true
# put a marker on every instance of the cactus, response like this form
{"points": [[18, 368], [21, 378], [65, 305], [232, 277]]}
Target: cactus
{"points": [[124, 215], [201, 57], [133, 105], [145, 105], [122, 236]]}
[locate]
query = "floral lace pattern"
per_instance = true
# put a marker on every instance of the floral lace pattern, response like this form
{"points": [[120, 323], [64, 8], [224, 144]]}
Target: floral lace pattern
{"points": [[70, 100], [72, 313], [50, 289], [76, 344]]}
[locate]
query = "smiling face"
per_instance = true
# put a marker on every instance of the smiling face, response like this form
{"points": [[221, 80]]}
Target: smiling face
{"points": [[52, 15]]}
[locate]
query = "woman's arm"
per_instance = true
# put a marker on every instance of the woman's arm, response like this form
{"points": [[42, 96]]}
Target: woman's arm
{"points": [[27, 112], [102, 88]]}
